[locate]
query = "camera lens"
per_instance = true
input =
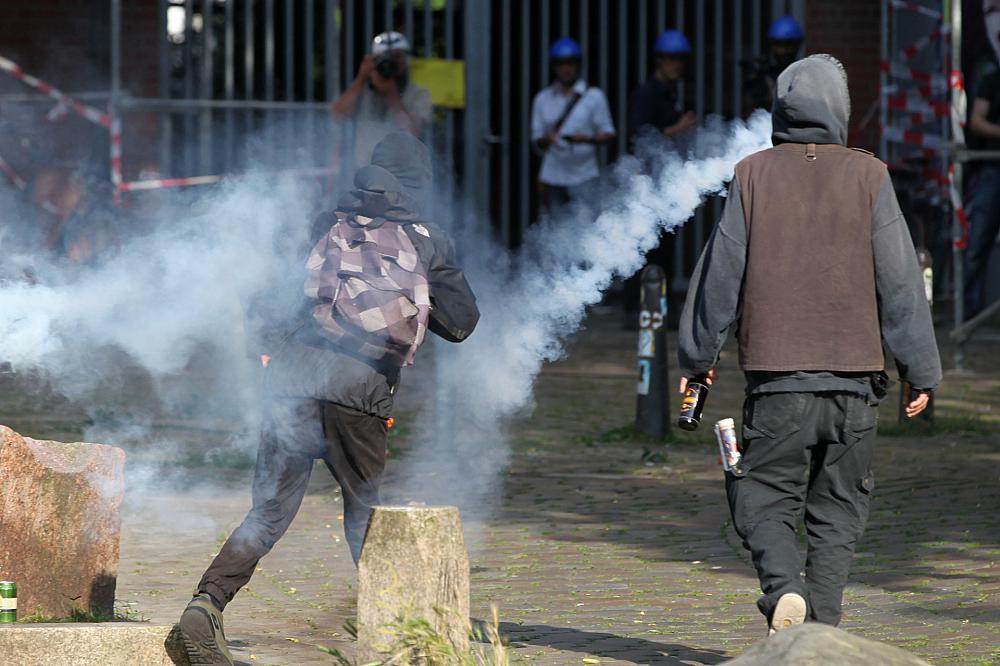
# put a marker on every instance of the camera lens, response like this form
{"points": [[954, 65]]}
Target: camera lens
{"points": [[386, 68]]}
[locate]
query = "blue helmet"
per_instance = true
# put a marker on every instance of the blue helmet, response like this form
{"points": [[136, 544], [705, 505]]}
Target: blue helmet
{"points": [[672, 42], [565, 49], [786, 29]]}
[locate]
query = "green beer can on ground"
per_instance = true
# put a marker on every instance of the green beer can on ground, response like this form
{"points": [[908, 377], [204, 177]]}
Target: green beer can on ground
{"points": [[8, 601]]}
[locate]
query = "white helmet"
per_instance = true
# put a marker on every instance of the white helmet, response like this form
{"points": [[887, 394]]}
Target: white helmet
{"points": [[390, 41]]}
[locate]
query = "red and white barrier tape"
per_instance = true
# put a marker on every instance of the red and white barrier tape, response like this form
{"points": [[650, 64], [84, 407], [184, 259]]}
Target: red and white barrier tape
{"points": [[12, 175], [916, 7], [913, 104], [90, 113], [139, 185], [911, 51], [912, 138], [936, 82]]}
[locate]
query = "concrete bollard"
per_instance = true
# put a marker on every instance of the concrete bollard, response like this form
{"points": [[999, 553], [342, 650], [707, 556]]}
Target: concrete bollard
{"points": [[413, 566]]}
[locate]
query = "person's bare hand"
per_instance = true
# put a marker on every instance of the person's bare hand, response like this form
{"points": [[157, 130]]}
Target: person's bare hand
{"points": [[687, 121], [366, 68], [578, 138], [710, 377], [918, 405], [382, 84]]}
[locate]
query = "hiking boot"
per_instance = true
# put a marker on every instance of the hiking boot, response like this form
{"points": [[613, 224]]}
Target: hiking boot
{"points": [[201, 629], [788, 612]]}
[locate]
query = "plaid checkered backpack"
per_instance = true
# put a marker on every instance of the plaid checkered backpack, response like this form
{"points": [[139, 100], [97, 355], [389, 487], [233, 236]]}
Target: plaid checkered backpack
{"points": [[372, 288]]}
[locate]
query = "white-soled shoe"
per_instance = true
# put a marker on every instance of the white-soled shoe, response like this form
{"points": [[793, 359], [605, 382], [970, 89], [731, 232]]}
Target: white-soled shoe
{"points": [[788, 612]]}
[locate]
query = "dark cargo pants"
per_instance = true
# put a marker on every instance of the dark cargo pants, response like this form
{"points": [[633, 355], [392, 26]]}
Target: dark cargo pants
{"points": [[294, 434], [804, 453]]}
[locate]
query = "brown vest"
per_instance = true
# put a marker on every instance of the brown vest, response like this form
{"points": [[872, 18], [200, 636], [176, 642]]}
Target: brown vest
{"points": [[809, 300]]}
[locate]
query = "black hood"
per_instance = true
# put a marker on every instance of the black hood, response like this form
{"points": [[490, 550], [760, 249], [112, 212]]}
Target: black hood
{"points": [[811, 102], [378, 193], [409, 161]]}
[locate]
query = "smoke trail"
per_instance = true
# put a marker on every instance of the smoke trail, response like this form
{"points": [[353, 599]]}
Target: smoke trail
{"points": [[166, 297], [527, 316]]}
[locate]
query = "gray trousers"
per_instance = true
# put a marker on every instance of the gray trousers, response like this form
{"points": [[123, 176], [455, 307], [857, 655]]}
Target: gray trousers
{"points": [[806, 455], [294, 434]]}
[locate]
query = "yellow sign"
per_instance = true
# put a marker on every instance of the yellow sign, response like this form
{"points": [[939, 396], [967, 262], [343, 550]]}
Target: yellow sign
{"points": [[444, 78]]}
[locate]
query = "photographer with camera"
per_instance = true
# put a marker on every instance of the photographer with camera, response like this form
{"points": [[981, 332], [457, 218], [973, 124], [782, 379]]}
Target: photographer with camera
{"points": [[382, 99]]}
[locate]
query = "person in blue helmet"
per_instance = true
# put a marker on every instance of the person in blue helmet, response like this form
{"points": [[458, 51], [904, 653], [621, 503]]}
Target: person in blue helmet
{"points": [[656, 104], [569, 119], [657, 112], [784, 41]]}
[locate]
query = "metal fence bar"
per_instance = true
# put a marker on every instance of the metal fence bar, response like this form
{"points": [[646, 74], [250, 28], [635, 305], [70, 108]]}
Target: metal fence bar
{"points": [[348, 30], [331, 50], [116, 86], [289, 76], [505, 101], [182, 105], [449, 130], [544, 37], [408, 20], [678, 280], [563, 18], [718, 60], [957, 231], [737, 71], [389, 19], [604, 50], [188, 60], [756, 27], [588, 60], [205, 135], [621, 91], [369, 19], [166, 119], [642, 46], [229, 83], [249, 64], [524, 145]]}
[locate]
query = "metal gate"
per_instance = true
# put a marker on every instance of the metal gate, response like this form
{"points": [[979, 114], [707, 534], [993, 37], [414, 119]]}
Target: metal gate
{"points": [[269, 68]]}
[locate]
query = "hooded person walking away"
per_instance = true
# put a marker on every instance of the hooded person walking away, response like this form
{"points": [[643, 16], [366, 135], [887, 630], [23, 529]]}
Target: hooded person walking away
{"points": [[378, 276], [813, 262]]}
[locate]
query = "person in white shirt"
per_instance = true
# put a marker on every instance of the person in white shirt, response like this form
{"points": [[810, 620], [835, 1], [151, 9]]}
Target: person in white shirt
{"points": [[382, 99], [568, 121]]}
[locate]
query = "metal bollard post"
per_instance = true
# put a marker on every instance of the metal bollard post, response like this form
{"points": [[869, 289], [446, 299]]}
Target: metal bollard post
{"points": [[906, 394], [652, 412]]}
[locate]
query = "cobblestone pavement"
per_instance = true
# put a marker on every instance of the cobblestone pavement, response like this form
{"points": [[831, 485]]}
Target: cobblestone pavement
{"points": [[593, 554]]}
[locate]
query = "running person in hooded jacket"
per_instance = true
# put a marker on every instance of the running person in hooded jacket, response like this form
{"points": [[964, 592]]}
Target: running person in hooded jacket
{"points": [[322, 399], [813, 263]]}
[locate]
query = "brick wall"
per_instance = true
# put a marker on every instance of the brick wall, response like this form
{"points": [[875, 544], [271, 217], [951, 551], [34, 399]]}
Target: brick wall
{"points": [[851, 31]]}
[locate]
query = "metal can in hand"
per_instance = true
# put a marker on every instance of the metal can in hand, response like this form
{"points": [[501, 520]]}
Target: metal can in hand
{"points": [[693, 404], [8, 601]]}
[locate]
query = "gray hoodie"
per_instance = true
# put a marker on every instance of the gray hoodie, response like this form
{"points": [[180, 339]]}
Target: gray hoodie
{"points": [[812, 105]]}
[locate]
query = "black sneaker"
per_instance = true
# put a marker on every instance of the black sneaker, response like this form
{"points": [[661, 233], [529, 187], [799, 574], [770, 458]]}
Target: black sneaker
{"points": [[201, 629]]}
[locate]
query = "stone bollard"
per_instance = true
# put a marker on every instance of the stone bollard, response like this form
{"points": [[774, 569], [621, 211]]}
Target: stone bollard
{"points": [[413, 566], [59, 524]]}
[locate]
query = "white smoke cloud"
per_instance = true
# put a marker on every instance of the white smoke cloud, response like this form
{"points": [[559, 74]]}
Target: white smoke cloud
{"points": [[166, 296], [526, 315]]}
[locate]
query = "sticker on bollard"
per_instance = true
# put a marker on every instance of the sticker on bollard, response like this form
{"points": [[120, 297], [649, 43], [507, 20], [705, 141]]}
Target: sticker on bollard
{"points": [[8, 601]]}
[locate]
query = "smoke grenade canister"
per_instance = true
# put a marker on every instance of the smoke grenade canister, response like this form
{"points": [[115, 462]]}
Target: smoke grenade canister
{"points": [[8, 601], [693, 404]]}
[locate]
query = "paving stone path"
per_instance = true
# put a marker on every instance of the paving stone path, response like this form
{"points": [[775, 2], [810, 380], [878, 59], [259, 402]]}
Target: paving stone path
{"points": [[593, 554]]}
